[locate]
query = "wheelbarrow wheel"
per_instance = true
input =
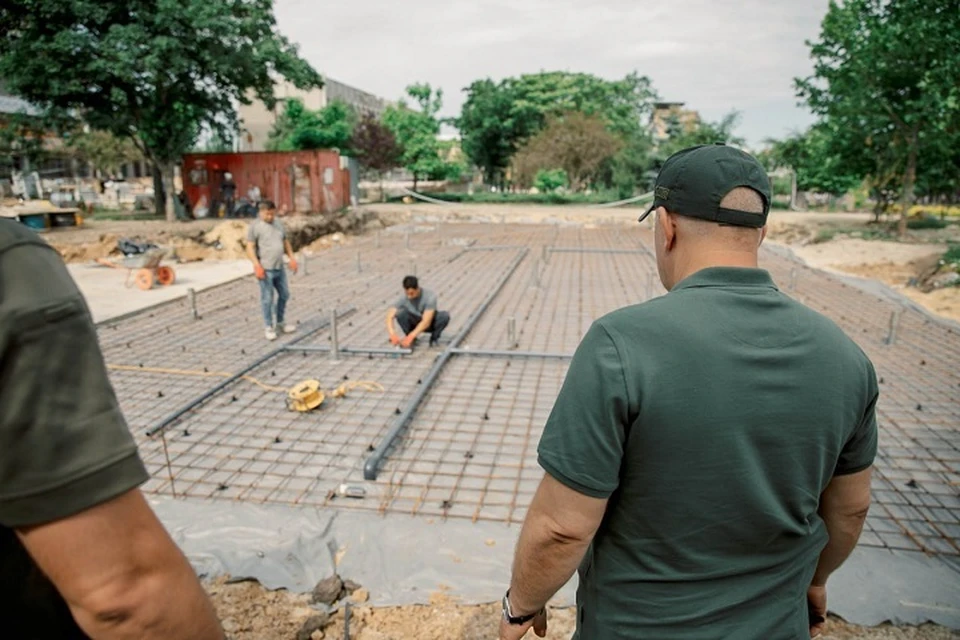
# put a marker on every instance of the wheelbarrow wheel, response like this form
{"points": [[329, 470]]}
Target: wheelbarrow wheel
{"points": [[144, 279], [166, 276]]}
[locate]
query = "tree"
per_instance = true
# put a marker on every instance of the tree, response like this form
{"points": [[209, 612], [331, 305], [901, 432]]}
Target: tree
{"points": [[576, 143], [299, 128], [376, 147], [105, 151], [887, 78], [497, 118], [416, 132], [154, 72], [816, 165]]}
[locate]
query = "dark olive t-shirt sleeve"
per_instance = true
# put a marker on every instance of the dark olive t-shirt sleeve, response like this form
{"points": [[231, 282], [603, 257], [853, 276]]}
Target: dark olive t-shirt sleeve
{"points": [[859, 451], [583, 441], [64, 445]]}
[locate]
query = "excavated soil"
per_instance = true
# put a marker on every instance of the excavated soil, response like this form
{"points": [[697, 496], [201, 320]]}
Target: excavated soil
{"points": [[251, 612], [201, 239]]}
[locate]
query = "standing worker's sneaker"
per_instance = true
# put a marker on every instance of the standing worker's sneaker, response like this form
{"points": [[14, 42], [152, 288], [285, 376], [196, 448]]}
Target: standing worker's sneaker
{"points": [[289, 327], [270, 334]]}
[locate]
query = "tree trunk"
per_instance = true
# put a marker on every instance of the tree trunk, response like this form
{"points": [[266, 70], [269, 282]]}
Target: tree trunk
{"points": [[383, 194], [167, 172], [909, 180], [414, 180], [159, 195], [793, 189]]}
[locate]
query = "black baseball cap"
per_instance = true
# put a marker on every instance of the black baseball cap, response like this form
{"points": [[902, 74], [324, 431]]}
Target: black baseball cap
{"points": [[692, 183]]}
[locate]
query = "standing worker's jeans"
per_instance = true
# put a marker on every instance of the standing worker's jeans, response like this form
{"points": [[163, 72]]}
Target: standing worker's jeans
{"points": [[274, 279], [409, 321]]}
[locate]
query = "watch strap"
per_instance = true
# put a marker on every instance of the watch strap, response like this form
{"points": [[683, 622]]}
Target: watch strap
{"points": [[514, 619]]}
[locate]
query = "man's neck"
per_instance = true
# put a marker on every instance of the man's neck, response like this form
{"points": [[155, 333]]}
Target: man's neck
{"points": [[715, 258]]}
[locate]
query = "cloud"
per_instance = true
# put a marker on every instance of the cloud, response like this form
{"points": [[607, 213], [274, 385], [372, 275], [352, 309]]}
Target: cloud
{"points": [[715, 55]]}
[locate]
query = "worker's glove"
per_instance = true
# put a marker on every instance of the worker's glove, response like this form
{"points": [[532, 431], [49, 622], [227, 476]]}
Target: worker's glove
{"points": [[394, 340], [259, 271], [293, 265]]}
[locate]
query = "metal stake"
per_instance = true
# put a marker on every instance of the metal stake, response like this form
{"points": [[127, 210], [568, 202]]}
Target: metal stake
{"points": [[192, 297], [303, 264], [359, 264], [376, 240], [544, 254], [793, 279], [535, 274], [334, 338], [511, 332], [894, 324]]}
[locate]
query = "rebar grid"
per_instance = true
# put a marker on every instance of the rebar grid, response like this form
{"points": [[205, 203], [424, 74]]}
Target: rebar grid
{"points": [[470, 450]]}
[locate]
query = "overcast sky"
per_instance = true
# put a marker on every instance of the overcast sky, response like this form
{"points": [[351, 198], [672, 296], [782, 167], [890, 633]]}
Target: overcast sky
{"points": [[715, 55]]}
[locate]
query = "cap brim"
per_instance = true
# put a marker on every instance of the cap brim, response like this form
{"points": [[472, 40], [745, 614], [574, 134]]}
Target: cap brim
{"points": [[647, 212]]}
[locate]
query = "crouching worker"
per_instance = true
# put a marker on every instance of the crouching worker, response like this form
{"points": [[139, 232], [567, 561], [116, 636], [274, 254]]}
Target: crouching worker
{"points": [[416, 313]]}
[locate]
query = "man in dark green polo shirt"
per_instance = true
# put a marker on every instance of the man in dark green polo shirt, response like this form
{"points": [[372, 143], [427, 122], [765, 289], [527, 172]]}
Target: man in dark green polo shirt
{"points": [[708, 458], [81, 553]]}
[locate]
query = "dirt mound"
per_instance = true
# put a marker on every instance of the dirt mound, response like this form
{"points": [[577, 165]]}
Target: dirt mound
{"points": [[229, 237], [105, 247], [250, 612]]}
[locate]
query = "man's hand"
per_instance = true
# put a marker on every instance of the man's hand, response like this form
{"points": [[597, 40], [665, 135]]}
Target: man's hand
{"points": [[394, 339], [407, 341], [517, 631], [817, 608], [259, 271], [292, 264]]}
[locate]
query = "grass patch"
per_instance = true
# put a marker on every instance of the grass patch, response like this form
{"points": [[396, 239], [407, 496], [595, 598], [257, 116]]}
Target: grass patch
{"points": [[120, 214], [927, 222], [485, 197], [824, 235]]}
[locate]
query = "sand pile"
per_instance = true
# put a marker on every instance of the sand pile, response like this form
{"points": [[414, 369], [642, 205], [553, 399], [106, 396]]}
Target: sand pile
{"points": [[104, 247]]}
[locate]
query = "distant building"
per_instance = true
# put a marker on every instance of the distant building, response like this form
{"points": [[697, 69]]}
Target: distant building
{"points": [[256, 120], [667, 115]]}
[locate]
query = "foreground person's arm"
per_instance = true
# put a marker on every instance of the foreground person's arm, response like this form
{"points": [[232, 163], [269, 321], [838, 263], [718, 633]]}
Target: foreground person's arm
{"points": [[121, 574]]}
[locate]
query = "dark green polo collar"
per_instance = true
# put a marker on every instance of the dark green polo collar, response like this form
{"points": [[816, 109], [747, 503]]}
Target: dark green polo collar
{"points": [[727, 277]]}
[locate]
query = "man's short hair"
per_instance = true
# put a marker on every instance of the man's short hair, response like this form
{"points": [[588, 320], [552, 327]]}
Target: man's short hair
{"points": [[411, 282], [266, 205]]}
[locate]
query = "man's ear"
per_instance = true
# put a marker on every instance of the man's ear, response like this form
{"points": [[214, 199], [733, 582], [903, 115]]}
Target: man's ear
{"points": [[668, 228]]}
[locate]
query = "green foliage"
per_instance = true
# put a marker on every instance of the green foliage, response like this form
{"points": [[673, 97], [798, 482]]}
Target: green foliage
{"points": [[886, 86], [549, 180], [105, 151], [416, 132], [299, 128], [156, 72], [819, 165], [497, 118], [926, 222], [555, 198], [951, 259]]}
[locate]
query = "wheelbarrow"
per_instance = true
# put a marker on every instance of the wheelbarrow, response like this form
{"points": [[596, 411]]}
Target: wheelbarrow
{"points": [[143, 270]]}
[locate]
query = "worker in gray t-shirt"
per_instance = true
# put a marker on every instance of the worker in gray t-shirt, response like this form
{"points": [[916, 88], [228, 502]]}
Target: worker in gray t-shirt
{"points": [[416, 312], [266, 244]]}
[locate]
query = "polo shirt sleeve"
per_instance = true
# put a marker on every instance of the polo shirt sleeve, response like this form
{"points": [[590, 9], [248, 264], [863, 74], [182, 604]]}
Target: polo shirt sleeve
{"points": [[64, 445], [860, 450], [429, 301], [252, 232], [583, 440]]}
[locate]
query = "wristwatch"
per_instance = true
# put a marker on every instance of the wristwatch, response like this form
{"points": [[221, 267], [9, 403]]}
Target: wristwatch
{"points": [[512, 619]]}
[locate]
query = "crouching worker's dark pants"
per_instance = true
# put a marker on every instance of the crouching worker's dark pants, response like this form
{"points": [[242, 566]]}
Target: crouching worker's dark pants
{"points": [[409, 321]]}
